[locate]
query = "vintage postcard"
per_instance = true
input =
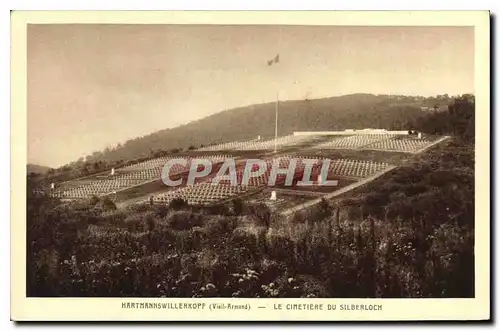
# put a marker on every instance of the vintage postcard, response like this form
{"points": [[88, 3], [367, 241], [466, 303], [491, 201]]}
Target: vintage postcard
{"points": [[250, 166]]}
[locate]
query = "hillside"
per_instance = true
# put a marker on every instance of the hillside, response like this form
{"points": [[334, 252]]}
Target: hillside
{"points": [[408, 234], [336, 113]]}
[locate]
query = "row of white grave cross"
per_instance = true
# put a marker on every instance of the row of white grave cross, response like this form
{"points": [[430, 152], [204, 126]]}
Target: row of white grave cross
{"points": [[257, 144], [126, 177], [363, 141]]}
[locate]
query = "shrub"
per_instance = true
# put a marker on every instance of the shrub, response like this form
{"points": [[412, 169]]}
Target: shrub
{"points": [[177, 204], [184, 220]]}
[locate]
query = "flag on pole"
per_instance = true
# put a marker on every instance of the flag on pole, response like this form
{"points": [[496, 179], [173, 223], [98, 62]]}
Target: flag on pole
{"points": [[276, 59]]}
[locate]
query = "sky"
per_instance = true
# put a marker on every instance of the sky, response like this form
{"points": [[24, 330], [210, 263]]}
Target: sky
{"points": [[92, 86]]}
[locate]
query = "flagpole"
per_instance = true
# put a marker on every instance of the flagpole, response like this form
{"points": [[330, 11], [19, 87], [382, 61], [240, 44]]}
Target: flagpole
{"points": [[270, 63], [276, 124]]}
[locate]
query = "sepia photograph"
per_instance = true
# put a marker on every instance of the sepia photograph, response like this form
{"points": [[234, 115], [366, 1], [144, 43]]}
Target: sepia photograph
{"points": [[194, 161]]}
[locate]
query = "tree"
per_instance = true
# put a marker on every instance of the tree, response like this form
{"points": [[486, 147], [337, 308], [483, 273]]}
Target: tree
{"points": [[458, 120], [94, 200], [108, 204], [324, 209], [261, 212], [238, 206], [177, 204]]}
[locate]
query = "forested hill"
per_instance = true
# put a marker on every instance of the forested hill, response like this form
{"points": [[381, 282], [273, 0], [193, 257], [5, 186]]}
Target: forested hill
{"points": [[37, 169], [336, 113]]}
